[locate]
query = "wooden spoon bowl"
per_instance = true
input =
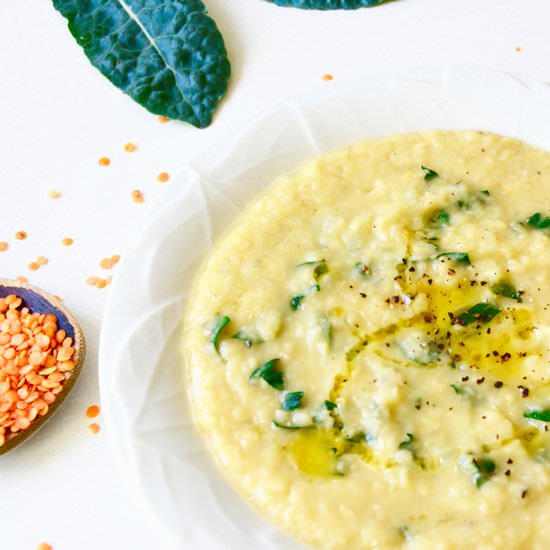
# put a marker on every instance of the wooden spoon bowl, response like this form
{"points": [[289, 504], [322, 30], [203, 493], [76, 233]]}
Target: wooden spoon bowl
{"points": [[40, 301]]}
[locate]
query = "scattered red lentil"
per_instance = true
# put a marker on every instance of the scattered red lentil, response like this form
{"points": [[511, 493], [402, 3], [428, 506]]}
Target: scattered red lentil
{"points": [[35, 360], [130, 147], [41, 260], [91, 280], [518, 49], [54, 194], [163, 119], [21, 235], [104, 161], [137, 196], [101, 283], [67, 241], [58, 298], [92, 411], [163, 177], [4, 246], [327, 77], [94, 428], [22, 279], [106, 263], [44, 546], [33, 266]]}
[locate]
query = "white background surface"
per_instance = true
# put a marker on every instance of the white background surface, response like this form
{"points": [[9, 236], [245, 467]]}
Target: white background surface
{"points": [[58, 116]]}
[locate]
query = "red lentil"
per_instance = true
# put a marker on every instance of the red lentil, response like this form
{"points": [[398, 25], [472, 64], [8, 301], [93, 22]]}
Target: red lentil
{"points": [[130, 147], [137, 196], [21, 235], [94, 428], [163, 177], [104, 161], [92, 411], [35, 360], [91, 280], [4, 246]]}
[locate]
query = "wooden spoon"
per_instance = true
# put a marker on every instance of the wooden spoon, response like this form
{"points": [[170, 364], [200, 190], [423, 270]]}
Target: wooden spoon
{"points": [[40, 301]]}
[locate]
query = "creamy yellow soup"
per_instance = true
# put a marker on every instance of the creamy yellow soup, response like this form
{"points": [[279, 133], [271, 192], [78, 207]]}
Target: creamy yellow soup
{"points": [[367, 348]]}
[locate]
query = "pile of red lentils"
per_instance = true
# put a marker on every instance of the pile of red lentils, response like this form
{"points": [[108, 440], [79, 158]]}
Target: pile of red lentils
{"points": [[36, 358]]}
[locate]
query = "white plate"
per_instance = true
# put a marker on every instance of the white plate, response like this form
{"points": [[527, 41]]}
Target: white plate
{"points": [[143, 397]]}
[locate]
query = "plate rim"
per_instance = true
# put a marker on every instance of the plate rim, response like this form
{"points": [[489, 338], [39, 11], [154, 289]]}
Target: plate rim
{"points": [[106, 363]]}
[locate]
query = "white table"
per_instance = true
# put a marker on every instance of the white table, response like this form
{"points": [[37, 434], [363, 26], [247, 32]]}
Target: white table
{"points": [[58, 116]]}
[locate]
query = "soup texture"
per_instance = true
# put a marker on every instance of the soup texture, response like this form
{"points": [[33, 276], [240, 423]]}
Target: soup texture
{"points": [[367, 347]]}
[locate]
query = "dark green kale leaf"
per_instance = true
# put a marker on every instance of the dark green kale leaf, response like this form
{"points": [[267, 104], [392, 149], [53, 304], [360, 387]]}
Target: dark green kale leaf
{"points": [[328, 4], [167, 55]]}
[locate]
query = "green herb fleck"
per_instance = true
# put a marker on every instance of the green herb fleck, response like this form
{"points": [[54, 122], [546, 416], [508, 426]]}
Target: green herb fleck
{"points": [[480, 313], [285, 427], [217, 329], [330, 405], [270, 373], [537, 221], [247, 337], [320, 270], [459, 390], [423, 357], [463, 390], [326, 327], [486, 192], [429, 173], [293, 400], [359, 437], [506, 290], [405, 533], [543, 416], [440, 219], [310, 263], [296, 301], [485, 470], [458, 257], [408, 443], [363, 269]]}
